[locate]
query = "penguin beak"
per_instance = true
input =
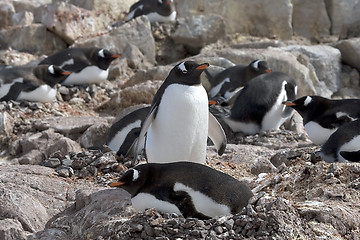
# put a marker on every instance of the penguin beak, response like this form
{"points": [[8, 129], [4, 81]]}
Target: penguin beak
{"points": [[65, 73], [116, 184], [211, 102], [268, 70], [115, 55], [290, 104], [167, 2], [202, 66]]}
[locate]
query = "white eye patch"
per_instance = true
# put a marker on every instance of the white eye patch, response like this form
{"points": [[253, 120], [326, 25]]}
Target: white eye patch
{"points": [[182, 67], [256, 64], [51, 69], [160, 1], [307, 101], [101, 53], [135, 175]]}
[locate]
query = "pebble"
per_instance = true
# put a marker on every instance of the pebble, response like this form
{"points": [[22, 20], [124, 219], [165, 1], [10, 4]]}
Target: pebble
{"points": [[51, 162]]}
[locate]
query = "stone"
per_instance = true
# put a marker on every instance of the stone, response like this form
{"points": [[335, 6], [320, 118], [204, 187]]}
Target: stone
{"points": [[95, 135], [51, 162], [326, 61], [7, 10], [11, 229], [310, 19], [198, 31], [70, 22], [34, 39], [350, 52], [155, 73], [64, 171], [15, 58], [262, 166], [22, 18], [242, 16], [6, 123], [351, 29], [137, 32]]}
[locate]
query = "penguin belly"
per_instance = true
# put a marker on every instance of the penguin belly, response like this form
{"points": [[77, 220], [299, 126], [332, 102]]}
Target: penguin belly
{"points": [[351, 146], [180, 128], [143, 201], [43, 93], [155, 17], [88, 75], [318, 134]]}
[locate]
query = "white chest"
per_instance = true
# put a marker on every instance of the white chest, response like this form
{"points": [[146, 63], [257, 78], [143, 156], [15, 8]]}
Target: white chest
{"points": [[317, 133], [44, 93], [155, 17], [88, 75], [352, 146], [120, 137]]}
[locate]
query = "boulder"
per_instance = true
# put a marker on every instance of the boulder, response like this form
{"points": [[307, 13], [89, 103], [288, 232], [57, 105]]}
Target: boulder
{"points": [[350, 52], [137, 32], [23, 18], [6, 123], [351, 28], [198, 31], [11, 229], [70, 22], [325, 59], [34, 38], [245, 16], [7, 10], [15, 58], [310, 19], [155, 73], [95, 135]]}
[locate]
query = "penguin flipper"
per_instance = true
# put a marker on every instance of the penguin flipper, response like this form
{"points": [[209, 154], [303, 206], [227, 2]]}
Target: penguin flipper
{"points": [[14, 92], [351, 156], [144, 129], [216, 134]]}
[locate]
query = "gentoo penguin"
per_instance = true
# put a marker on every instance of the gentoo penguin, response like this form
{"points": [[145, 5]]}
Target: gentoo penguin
{"points": [[124, 132], [88, 65], [189, 189], [322, 116], [179, 121], [259, 107], [155, 10], [343, 144], [30, 83], [228, 82]]}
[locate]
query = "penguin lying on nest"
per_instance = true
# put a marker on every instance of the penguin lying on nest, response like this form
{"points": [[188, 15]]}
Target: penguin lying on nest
{"points": [[189, 189]]}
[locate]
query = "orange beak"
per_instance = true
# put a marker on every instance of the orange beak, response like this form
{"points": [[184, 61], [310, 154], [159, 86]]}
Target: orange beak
{"points": [[115, 56], [202, 66], [289, 104], [65, 73], [168, 2], [211, 102], [116, 184], [268, 71]]}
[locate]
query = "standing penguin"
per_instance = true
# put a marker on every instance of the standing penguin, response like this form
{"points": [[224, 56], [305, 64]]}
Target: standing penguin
{"points": [[343, 144], [258, 107], [179, 121], [190, 189], [155, 10], [322, 116], [88, 65], [228, 82], [30, 83], [123, 134]]}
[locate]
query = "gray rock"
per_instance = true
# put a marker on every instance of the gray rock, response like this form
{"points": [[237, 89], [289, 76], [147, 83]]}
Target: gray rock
{"points": [[135, 58], [51, 162], [64, 171], [11, 229], [6, 123], [22, 18], [198, 31], [326, 61], [70, 22], [95, 135], [13, 57], [243, 16], [351, 28], [7, 10], [34, 38], [137, 32], [262, 166], [310, 19], [350, 52], [155, 73]]}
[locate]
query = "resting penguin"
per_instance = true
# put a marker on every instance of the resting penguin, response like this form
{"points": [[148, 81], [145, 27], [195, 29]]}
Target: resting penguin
{"points": [[124, 132], [155, 10], [88, 65], [30, 83], [228, 82], [258, 107], [179, 121], [343, 144], [322, 116], [190, 189]]}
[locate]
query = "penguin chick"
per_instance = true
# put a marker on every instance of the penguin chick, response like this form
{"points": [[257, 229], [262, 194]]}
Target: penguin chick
{"points": [[189, 189]]}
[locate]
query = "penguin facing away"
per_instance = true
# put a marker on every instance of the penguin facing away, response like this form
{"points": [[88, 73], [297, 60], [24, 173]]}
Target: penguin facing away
{"points": [[344, 144], [88, 65], [259, 107], [123, 133], [229, 82], [179, 121], [189, 189], [155, 10], [322, 116], [30, 83]]}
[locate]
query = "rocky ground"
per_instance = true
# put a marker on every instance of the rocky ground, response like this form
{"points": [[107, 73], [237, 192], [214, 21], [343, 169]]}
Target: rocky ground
{"points": [[55, 171]]}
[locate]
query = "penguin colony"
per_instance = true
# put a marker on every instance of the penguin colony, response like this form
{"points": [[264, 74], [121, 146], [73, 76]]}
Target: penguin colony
{"points": [[173, 132]]}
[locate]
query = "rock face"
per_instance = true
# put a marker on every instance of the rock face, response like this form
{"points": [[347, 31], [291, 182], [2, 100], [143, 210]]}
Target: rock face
{"points": [[350, 52]]}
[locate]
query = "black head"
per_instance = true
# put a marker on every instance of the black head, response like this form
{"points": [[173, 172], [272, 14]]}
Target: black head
{"points": [[260, 66], [50, 74], [307, 104], [132, 180], [164, 2], [187, 73], [105, 57]]}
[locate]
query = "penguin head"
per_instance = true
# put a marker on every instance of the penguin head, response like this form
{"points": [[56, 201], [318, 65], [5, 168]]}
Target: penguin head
{"points": [[131, 181], [304, 105], [50, 74], [187, 73], [105, 57], [164, 2], [260, 66]]}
